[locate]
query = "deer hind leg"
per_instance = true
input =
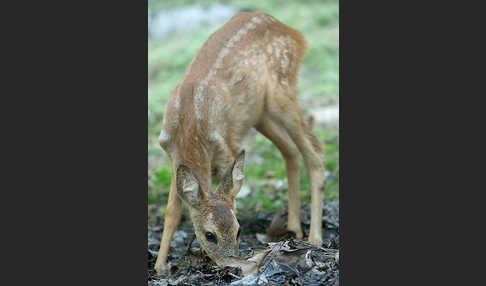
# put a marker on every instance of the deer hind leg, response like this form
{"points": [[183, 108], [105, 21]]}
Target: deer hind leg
{"points": [[172, 219], [278, 135], [283, 107]]}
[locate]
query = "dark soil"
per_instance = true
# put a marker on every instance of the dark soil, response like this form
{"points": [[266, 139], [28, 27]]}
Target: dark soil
{"points": [[291, 262]]}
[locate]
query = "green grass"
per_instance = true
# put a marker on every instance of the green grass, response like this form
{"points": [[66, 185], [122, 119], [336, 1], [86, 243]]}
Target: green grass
{"points": [[318, 82]]}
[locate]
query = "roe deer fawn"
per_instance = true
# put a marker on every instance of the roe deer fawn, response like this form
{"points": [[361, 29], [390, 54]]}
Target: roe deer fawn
{"points": [[244, 76]]}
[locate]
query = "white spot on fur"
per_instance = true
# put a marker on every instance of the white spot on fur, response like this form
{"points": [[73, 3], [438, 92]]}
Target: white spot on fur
{"points": [[256, 20], [197, 101], [284, 82], [238, 35], [211, 74], [221, 55], [223, 52], [268, 19], [175, 121], [281, 40], [177, 102], [217, 105], [250, 26], [284, 62], [217, 138], [269, 49], [164, 137], [230, 43], [198, 155], [223, 129]]}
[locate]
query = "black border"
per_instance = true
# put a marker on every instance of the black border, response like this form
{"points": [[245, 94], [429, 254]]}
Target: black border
{"points": [[77, 196], [406, 114]]}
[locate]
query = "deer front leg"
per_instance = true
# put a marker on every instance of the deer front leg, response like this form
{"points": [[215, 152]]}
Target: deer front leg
{"points": [[313, 156], [317, 197], [172, 219]]}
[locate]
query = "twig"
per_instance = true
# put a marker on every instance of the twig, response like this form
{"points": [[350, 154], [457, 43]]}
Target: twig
{"points": [[272, 255]]}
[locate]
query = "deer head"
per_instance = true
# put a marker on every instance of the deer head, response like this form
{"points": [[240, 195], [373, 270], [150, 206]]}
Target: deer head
{"points": [[212, 211]]}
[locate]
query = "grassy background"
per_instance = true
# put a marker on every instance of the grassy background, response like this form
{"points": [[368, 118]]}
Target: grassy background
{"points": [[318, 87]]}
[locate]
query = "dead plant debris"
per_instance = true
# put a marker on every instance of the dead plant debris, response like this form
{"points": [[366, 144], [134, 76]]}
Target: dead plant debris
{"points": [[286, 262]]}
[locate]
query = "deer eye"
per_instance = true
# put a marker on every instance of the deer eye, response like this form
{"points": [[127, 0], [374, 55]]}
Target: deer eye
{"points": [[239, 231], [211, 237]]}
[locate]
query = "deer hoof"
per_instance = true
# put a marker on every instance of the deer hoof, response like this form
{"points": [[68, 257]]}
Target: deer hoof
{"points": [[316, 241], [162, 269]]}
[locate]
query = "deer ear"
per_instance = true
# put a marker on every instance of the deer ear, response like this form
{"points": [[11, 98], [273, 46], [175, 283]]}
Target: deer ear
{"points": [[233, 179], [187, 186]]}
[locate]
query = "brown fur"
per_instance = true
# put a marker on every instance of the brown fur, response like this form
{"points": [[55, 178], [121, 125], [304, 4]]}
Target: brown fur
{"points": [[243, 77], [223, 218]]}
